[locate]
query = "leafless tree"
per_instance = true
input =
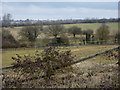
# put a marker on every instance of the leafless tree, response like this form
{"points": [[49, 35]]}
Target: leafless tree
{"points": [[6, 20]]}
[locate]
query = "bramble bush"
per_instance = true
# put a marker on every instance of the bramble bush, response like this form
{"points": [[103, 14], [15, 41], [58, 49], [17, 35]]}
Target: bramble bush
{"points": [[112, 55], [47, 69], [45, 64]]}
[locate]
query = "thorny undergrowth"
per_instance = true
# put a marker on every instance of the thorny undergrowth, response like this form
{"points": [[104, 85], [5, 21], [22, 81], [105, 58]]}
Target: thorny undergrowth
{"points": [[88, 74]]}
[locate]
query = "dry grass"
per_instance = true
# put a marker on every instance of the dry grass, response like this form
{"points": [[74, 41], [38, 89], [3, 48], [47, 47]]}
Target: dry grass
{"points": [[98, 72], [88, 74], [80, 51]]}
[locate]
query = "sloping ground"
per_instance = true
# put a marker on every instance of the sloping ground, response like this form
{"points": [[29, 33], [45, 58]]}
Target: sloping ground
{"points": [[98, 72], [88, 74]]}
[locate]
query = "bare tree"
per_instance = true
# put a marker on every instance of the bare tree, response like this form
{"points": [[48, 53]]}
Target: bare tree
{"points": [[102, 33], [6, 20], [55, 30], [74, 30], [88, 33], [30, 33]]}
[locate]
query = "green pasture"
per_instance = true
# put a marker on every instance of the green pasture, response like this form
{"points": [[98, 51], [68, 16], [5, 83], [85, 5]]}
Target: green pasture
{"points": [[79, 51], [94, 26]]}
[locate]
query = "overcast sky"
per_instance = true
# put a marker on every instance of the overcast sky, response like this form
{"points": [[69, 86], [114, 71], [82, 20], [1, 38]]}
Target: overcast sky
{"points": [[60, 10]]}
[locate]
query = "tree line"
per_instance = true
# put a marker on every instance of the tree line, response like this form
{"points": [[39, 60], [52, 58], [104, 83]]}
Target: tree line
{"points": [[7, 21], [58, 32]]}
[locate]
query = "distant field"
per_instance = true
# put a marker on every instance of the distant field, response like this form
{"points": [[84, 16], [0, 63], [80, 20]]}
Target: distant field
{"points": [[80, 51], [84, 26], [94, 26]]}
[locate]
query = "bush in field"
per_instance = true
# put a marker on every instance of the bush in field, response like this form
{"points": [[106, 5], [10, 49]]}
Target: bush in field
{"points": [[51, 61], [23, 44], [27, 44], [8, 41], [63, 40]]}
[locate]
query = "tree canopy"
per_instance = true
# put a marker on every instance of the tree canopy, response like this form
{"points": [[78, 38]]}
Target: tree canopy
{"points": [[74, 30], [55, 30], [102, 33], [30, 33]]}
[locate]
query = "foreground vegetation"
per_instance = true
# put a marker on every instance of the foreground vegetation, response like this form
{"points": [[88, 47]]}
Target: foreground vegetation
{"points": [[88, 74], [99, 72]]}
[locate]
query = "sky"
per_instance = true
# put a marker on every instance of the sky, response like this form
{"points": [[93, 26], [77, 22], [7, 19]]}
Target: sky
{"points": [[59, 10], [60, 0]]}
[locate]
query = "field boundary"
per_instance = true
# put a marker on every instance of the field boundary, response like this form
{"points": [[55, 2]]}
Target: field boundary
{"points": [[92, 56], [77, 61], [40, 47]]}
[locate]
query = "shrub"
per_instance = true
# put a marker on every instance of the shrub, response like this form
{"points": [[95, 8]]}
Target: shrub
{"points": [[7, 44], [51, 61], [26, 44], [114, 55], [63, 40], [23, 45]]}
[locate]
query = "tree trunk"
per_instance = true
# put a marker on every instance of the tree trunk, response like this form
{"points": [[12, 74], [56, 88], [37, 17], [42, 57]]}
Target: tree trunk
{"points": [[74, 35]]}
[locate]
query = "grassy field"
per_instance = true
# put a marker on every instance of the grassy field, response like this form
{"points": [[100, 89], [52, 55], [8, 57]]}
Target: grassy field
{"points": [[98, 72], [94, 26], [79, 51], [82, 50]]}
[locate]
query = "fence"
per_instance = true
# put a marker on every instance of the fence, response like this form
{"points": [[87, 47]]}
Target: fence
{"points": [[92, 56], [77, 61], [66, 45]]}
